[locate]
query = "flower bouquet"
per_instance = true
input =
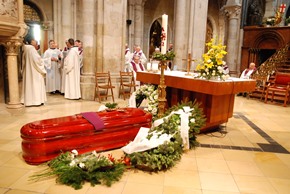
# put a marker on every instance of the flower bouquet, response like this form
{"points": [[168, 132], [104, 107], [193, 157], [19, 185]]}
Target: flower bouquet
{"points": [[213, 65], [164, 57], [149, 92], [270, 21]]}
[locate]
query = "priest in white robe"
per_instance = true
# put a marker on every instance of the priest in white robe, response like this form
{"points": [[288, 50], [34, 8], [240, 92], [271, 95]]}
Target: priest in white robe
{"points": [[140, 53], [72, 73], [33, 73], [53, 75]]}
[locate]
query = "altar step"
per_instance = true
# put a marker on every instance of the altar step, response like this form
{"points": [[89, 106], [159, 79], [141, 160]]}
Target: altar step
{"points": [[284, 65]]}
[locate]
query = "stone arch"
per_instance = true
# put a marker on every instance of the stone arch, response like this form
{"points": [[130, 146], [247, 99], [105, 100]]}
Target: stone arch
{"points": [[266, 43], [154, 35], [268, 40], [33, 14]]}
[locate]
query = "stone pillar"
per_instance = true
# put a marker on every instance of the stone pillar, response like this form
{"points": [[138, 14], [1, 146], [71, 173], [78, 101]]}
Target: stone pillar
{"points": [[66, 20], [233, 13], [198, 35], [87, 77], [12, 47], [130, 27], [138, 22], [180, 34]]}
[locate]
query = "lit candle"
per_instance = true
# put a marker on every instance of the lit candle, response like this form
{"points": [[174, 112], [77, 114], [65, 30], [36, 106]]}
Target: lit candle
{"points": [[164, 33], [148, 66], [154, 66]]}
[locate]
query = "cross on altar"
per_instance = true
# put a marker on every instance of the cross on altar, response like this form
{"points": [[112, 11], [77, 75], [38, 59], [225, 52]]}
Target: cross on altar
{"points": [[282, 8], [189, 60]]}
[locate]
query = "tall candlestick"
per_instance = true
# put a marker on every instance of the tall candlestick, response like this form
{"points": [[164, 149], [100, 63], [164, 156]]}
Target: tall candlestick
{"points": [[164, 33]]}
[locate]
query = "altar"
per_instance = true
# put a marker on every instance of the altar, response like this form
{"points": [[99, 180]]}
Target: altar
{"points": [[216, 98]]}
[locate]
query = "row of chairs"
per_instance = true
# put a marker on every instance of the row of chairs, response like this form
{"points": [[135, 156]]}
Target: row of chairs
{"points": [[278, 88], [104, 87]]}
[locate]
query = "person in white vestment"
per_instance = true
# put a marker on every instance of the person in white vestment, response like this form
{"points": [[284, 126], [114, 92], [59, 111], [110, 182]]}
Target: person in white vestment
{"points": [[128, 58], [53, 75], [140, 53], [248, 72], [246, 75], [72, 73], [79, 44], [64, 54], [33, 73]]}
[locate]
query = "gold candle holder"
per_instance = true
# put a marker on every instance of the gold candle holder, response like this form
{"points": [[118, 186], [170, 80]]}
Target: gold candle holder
{"points": [[162, 89]]}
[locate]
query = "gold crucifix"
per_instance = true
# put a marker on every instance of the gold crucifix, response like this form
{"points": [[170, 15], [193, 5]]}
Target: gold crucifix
{"points": [[189, 60]]}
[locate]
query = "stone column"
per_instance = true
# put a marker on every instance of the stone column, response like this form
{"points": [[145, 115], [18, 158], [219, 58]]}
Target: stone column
{"points": [[130, 27], [12, 47], [66, 20], [233, 13], [198, 35], [88, 24], [180, 34], [138, 22]]}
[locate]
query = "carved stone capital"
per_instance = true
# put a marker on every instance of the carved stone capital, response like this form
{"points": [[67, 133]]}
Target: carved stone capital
{"points": [[137, 2], [46, 25], [233, 12], [12, 46]]}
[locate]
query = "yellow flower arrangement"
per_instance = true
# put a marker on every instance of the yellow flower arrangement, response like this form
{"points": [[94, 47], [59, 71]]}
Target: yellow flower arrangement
{"points": [[213, 65]]}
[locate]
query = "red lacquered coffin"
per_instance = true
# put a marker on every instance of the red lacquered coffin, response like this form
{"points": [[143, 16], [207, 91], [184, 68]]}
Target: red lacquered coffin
{"points": [[44, 140]]}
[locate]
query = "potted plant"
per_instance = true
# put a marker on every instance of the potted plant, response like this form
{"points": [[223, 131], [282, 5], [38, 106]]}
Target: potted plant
{"points": [[287, 21], [270, 21]]}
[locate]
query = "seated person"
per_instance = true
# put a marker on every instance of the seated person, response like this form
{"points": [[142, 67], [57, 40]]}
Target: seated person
{"points": [[248, 72], [136, 66], [246, 75]]}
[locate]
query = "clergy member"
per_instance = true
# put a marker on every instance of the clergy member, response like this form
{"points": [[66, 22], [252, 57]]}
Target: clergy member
{"points": [[79, 44], [53, 75], [72, 73], [128, 57], [136, 65], [141, 55], [64, 54], [33, 73]]}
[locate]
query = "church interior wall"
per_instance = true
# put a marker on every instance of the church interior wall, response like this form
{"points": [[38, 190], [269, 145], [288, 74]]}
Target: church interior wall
{"points": [[216, 19], [2, 75], [154, 10], [113, 35], [79, 19], [106, 31]]}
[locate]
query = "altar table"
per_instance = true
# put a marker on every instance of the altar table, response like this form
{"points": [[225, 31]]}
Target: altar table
{"points": [[216, 98]]}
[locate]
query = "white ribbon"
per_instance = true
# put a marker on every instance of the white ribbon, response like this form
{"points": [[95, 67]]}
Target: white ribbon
{"points": [[141, 143], [132, 100], [184, 123]]}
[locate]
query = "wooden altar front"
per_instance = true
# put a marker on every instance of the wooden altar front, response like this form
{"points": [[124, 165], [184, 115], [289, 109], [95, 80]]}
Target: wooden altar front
{"points": [[216, 97]]}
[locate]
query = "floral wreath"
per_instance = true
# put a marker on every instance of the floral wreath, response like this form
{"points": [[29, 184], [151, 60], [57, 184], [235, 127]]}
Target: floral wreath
{"points": [[74, 170]]}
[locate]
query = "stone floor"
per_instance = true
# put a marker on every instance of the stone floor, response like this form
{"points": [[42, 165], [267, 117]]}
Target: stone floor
{"points": [[249, 154]]}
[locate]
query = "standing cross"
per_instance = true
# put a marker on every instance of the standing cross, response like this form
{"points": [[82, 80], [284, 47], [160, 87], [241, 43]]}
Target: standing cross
{"points": [[282, 8], [189, 60]]}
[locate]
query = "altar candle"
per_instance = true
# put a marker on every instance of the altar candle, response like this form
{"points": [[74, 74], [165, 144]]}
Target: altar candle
{"points": [[164, 33], [154, 66], [148, 66]]}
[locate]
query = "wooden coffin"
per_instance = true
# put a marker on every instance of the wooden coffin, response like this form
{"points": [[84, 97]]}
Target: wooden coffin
{"points": [[43, 140]]}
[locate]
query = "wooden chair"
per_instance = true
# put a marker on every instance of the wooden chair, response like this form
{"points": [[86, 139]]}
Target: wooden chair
{"points": [[279, 88], [260, 89], [104, 87], [127, 84]]}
